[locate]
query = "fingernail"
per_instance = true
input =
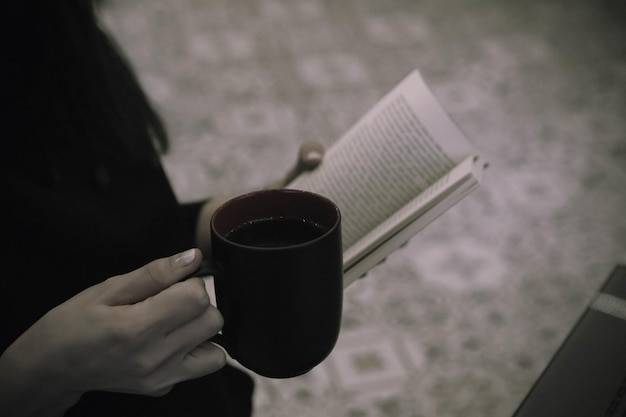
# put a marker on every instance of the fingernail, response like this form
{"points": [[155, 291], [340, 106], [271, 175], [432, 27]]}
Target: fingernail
{"points": [[314, 156], [185, 258], [313, 159]]}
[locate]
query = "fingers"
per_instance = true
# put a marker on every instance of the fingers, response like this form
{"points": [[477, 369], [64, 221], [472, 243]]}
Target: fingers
{"points": [[150, 279], [197, 330], [166, 334], [176, 320], [185, 350], [185, 353], [204, 359], [310, 155], [176, 306]]}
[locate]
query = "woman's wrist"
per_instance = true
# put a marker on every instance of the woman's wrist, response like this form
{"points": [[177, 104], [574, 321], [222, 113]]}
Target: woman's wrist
{"points": [[28, 389]]}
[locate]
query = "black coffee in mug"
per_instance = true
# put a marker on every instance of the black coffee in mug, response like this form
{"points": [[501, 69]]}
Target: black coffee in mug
{"points": [[274, 232], [277, 262]]}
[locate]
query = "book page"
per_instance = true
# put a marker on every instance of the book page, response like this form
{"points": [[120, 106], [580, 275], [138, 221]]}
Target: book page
{"points": [[405, 143]]}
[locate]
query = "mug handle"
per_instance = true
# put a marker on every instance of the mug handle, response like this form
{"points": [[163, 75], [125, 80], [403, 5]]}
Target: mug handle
{"points": [[206, 268], [210, 268]]}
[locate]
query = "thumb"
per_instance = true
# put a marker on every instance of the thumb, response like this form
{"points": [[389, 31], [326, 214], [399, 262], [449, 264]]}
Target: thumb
{"points": [[150, 279], [310, 155]]}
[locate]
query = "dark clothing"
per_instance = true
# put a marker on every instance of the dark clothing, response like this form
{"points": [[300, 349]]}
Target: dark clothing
{"points": [[84, 196], [60, 237]]}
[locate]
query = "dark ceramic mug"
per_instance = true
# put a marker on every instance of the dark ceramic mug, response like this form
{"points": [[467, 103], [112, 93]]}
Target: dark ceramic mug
{"points": [[277, 266]]}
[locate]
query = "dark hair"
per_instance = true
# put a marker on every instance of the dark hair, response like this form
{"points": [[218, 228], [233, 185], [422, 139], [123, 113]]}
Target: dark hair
{"points": [[67, 82]]}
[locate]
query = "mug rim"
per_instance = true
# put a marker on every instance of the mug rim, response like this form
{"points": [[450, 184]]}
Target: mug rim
{"points": [[336, 222]]}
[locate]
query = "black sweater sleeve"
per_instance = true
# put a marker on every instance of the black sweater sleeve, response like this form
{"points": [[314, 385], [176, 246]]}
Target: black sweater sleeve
{"points": [[60, 239]]}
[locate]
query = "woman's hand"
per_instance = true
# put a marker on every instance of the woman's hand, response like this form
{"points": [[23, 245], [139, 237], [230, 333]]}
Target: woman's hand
{"points": [[139, 333], [310, 156]]}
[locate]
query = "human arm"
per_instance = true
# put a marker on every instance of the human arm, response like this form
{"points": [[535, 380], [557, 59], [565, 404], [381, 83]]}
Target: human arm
{"points": [[310, 155], [139, 333]]}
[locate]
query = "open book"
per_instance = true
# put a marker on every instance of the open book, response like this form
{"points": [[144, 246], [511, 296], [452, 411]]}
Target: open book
{"points": [[402, 165]]}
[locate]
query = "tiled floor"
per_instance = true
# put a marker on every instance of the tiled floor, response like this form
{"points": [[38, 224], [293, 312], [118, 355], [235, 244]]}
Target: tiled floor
{"points": [[462, 320]]}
